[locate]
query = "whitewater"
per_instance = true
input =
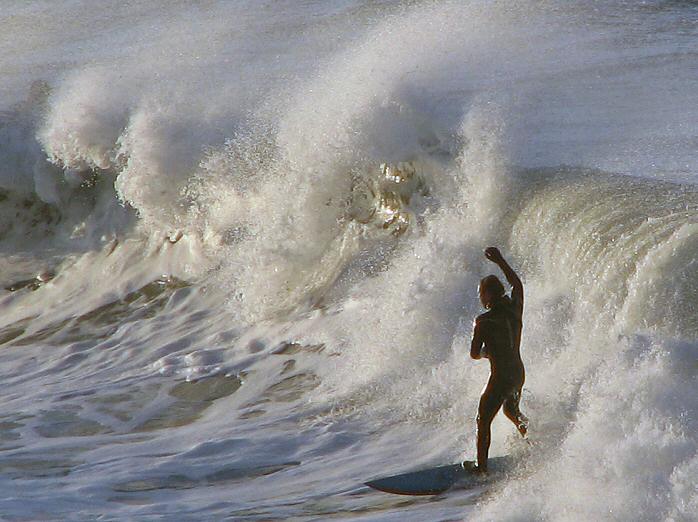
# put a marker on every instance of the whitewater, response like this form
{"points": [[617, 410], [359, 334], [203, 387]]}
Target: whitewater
{"points": [[240, 246]]}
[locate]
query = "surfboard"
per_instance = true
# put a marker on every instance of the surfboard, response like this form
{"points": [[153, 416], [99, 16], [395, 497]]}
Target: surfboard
{"points": [[433, 481]]}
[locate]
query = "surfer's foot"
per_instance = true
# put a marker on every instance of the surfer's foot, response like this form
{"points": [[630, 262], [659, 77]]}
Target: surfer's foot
{"points": [[522, 426], [479, 469], [523, 429]]}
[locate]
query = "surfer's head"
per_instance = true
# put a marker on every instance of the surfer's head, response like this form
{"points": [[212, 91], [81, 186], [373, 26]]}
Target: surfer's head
{"points": [[490, 289]]}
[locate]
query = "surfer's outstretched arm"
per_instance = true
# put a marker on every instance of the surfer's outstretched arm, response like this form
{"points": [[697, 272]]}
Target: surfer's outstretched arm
{"points": [[494, 255]]}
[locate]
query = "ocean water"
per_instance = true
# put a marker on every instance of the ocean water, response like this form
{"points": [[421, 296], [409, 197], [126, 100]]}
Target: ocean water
{"points": [[240, 244]]}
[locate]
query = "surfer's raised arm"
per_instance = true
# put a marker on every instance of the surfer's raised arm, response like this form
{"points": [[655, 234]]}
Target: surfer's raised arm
{"points": [[494, 255]]}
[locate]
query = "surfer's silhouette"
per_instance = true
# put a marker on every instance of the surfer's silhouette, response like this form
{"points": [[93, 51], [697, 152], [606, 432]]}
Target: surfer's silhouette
{"points": [[497, 337]]}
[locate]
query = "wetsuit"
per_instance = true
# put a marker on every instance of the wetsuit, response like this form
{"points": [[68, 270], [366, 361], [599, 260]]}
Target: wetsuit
{"points": [[501, 327]]}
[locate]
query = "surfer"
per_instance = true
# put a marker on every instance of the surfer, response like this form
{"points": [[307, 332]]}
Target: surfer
{"points": [[497, 337]]}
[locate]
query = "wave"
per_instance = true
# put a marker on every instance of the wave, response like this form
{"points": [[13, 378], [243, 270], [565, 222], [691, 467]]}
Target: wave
{"points": [[339, 211]]}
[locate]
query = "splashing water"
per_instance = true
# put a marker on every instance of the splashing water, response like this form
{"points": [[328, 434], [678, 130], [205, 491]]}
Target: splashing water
{"points": [[241, 244]]}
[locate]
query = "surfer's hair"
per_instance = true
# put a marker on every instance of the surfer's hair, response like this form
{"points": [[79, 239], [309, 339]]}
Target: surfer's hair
{"points": [[492, 285]]}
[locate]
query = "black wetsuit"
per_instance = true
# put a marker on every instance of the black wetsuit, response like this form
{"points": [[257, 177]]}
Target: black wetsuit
{"points": [[502, 339]]}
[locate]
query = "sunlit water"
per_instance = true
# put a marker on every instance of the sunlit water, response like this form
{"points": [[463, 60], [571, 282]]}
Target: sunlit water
{"points": [[240, 244]]}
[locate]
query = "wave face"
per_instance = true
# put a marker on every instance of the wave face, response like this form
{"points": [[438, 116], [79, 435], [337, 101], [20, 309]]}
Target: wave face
{"points": [[241, 243]]}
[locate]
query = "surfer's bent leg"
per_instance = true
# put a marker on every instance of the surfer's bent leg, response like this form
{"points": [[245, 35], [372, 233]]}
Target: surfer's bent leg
{"points": [[490, 402], [513, 413]]}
